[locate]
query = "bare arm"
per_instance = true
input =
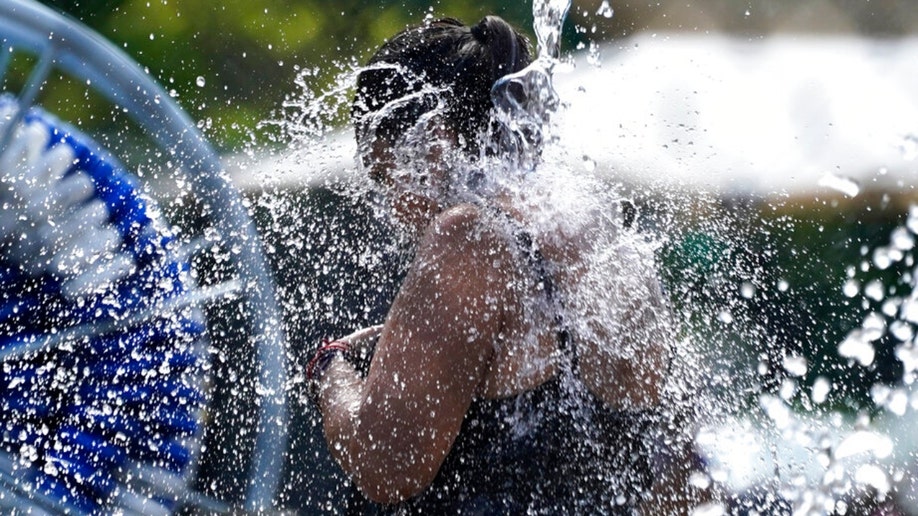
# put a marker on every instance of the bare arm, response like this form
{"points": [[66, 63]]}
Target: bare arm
{"points": [[392, 431]]}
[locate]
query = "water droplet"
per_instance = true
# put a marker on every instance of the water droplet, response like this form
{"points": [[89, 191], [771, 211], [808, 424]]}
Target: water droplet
{"points": [[605, 9], [908, 355], [873, 476], [857, 347], [874, 290], [874, 327], [588, 164], [783, 285], [912, 222], [725, 317], [747, 290], [851, 288], [909, 147], [594, 55], [699, 480], [910, 310], [882, 258], [862, 442], [777, 411], [788, 389], [200, 81], [902, 331], [901, 239], [897, 403], [841, 184], [795, 365], [821, 389]]}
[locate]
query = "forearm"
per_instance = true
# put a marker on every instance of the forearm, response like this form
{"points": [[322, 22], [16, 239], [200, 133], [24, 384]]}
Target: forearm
{"points": [[340, 395], [384, 472]]}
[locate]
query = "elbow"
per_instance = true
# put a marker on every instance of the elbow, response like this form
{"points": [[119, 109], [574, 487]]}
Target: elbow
{"points": [[390, 473], [387, 491], [383, 486]]}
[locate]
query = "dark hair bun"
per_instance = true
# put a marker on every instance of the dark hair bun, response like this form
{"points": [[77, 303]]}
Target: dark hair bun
{"points": [[508, 51]]}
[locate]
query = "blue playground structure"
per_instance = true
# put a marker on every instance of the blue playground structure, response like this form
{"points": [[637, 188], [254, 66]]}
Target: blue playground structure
{"points": [[105, 345]]}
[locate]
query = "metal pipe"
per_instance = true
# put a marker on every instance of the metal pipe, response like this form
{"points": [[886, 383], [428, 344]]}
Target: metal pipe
{"points": [[28, 94]]}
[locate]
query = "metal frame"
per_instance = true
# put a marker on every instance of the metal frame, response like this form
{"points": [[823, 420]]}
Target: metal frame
{"points": [[66, 44]]}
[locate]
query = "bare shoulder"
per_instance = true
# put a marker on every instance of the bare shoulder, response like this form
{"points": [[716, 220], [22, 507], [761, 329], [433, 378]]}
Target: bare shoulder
{"points": [[465, 227], [460, 220]]}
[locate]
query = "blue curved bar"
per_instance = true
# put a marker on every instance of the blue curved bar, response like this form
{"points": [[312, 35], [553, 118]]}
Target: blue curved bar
{"points": [[29, 26]]}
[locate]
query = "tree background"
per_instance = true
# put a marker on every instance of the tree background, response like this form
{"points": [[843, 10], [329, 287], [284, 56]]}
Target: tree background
{"points": [[249, 53]]}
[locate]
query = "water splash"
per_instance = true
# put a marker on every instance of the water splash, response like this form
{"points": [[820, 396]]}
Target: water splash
{"points": [[549, 18], [525, 102], [863, 458], [605, 9]]}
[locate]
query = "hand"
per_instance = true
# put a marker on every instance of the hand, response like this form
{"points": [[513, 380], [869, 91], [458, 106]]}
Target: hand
{"points": [[363, 338], [362, 345], [356, 348]]}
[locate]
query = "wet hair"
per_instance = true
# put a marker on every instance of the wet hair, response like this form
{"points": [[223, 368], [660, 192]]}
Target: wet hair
{"points": [[441, 64]]}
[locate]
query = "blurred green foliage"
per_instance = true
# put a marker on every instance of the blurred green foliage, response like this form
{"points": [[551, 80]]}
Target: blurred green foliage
{"points": [[249, 53]]}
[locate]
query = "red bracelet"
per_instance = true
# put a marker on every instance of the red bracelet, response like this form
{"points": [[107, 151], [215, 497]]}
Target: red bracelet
{"points": [[322, 359]]}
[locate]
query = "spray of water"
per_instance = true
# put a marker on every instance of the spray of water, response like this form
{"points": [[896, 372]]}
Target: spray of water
{"points": [[751, 387], [340, 261]]}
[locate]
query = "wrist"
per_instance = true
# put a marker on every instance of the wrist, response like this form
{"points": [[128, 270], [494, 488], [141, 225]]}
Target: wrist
{"points": [[320, 362]]}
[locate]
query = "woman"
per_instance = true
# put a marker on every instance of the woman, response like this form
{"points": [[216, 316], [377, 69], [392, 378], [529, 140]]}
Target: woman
{"points": [[520, 363]]}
